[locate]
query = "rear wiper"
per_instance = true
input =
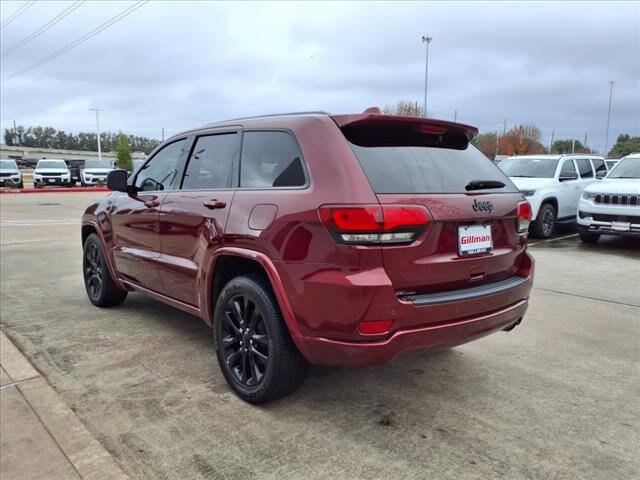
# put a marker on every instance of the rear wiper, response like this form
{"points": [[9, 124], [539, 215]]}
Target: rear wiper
{"points": [[482, 184]]}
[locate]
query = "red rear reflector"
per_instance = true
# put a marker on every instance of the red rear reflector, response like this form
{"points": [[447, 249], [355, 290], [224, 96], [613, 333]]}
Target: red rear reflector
{"points": [[523, 213], [374, 328]]}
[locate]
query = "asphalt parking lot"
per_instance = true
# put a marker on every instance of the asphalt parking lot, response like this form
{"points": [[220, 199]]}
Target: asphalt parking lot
{"points": [[555, 398]]}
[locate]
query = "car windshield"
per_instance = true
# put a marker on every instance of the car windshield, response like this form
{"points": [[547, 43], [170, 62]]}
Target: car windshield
{"points": [[51, 164], [97, 164], [8, 165], [531, 167], [626, 168]]}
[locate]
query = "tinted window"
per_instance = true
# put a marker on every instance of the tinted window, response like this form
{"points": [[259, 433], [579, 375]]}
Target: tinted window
{"points": [[599, 165], [408, 169], [161, 172], [533, 167], [568, 169], [210, 163], [271, 159], [584, 167]]}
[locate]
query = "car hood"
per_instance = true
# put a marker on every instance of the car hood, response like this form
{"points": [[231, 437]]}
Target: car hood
{"points": [[51, 170], [97, 171], [615, 185], [532, 183], [9, 170]]}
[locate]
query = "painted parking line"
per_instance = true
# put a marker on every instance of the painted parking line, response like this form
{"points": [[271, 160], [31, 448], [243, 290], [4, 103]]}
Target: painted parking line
{"points": [[40, 223], [553, 239]]}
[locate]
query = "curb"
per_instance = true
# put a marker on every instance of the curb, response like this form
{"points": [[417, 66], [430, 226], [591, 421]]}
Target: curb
{"points": [[51, 190], [86, 455]]}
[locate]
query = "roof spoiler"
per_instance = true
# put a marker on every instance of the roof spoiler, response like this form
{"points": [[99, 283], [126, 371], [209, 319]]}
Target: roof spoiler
{"points": [[372, 128]]}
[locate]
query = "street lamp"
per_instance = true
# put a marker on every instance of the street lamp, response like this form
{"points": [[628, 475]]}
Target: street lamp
{"points": [[606, 137], [98, 110], [426, 39]]}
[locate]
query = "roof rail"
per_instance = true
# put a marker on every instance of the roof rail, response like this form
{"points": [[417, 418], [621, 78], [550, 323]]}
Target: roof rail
{"points": [[318, 112]]}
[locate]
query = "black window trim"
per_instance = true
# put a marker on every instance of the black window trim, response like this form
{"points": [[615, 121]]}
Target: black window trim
{"points": [[307, 178], [561, 166], [226, 130], [153, 154]]}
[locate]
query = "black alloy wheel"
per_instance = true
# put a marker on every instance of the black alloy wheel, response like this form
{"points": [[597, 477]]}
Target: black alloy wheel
{"points": [[245, 340]]}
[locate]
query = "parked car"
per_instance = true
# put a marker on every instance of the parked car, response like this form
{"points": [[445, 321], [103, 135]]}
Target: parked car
{"points": [[612, 207], [316, 239], [95, 172], [552, 184], [10, 174], [75, 169], [52, 172]]}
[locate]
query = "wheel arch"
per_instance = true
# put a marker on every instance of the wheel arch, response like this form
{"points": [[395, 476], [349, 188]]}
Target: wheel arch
{"points": [[552, 200], [221, 270]]}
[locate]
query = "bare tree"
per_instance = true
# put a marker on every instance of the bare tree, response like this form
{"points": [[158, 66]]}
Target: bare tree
{"points": [[404, 108]]}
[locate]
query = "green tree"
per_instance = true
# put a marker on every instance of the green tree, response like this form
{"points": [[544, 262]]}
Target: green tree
{"points": [[123, 153], [567, 146], [625, 145]]}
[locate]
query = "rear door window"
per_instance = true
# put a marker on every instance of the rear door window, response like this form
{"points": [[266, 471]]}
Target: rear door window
{"points": [[211, 162], [584, 167], [271, 160], [418, 169]]}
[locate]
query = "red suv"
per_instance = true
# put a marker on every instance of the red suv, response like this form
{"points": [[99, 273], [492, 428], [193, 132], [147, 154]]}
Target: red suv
{"points": [[316, 239]]}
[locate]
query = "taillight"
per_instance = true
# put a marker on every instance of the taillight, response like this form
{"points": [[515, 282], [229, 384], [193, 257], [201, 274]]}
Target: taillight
{"points": [[523, 214], [375, 224]]}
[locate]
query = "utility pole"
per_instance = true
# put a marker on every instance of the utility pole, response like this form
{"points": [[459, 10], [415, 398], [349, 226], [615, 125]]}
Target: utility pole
{"points": [[163, 134], [585, 141], [15, 133], [98, 110], [606, 137], [573, 146], [455, 115], [497, 145], [553, 132], [426, 39], [504, 128]]}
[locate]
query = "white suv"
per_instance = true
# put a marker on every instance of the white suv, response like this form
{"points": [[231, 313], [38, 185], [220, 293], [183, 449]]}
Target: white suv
{"points": [[552, 185], [612, 207], [52, 172], [95, 172]]}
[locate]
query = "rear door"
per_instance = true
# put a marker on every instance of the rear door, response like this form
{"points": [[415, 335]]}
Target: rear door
{"points": [[569, 190], [442, 176], [192, 219]]}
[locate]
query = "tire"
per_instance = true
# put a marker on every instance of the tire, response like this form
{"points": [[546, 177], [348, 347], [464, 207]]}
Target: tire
{"points": [[21, 185], [100, 287], [261, 363], [82, 183], [588, 237], [545, 223]]}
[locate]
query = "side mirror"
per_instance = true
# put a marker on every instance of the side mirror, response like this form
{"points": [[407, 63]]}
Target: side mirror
{"points": [[601, 174], [117, 180], [571, 176]]}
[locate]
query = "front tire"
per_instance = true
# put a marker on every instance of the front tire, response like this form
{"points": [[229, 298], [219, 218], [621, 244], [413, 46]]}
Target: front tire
{"points": [[101, 289], [588, 237], [545, 222], [256, 354]]}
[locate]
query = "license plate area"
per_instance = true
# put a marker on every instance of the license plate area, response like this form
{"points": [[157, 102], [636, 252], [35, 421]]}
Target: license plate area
{"points": [[621, 226], [474, 240]]}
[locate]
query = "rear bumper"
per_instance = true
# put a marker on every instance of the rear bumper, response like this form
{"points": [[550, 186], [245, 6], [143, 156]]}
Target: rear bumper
{"points": [[430, 338]]}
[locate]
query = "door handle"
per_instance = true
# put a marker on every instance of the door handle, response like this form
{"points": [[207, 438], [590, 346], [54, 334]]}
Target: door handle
{"points": [[151, 203], [214, 204]]}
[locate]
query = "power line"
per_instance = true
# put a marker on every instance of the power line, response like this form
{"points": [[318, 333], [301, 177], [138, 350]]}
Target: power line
{"points": [[78, 41], [66, 12], [17, 13]]}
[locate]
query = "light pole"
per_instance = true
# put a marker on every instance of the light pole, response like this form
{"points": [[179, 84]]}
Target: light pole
{"points": [[606, 137], [98, 110], [426, 39]]}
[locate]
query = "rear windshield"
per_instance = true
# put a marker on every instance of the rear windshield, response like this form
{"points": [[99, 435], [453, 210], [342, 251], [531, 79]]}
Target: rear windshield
{"points": [[416, 169]]}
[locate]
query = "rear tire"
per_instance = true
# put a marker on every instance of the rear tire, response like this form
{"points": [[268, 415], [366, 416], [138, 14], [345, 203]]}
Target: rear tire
{"points": [[101, 289], [544, 225], [256, 354], [588, 237]]}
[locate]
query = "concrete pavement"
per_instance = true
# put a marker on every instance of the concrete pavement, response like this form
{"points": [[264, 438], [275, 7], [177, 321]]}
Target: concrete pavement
{"points": [[556, 398]]}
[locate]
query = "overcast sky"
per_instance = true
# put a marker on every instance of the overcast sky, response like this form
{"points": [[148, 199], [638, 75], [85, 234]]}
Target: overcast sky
{"points": [[178, 64]]}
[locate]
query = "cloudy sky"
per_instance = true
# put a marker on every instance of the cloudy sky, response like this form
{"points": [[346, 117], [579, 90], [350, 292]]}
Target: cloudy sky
{"points": [[178, 64]]}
